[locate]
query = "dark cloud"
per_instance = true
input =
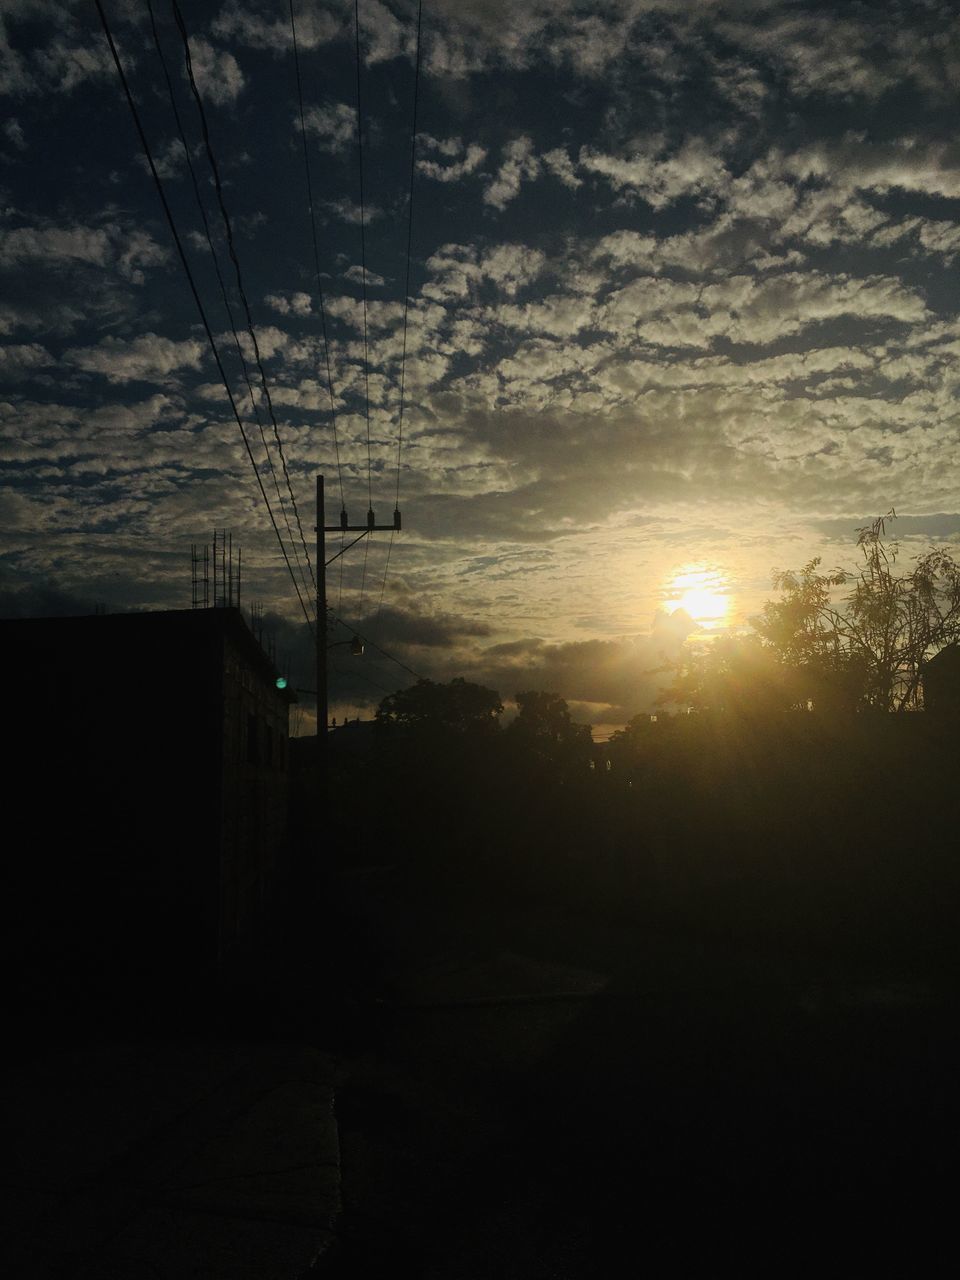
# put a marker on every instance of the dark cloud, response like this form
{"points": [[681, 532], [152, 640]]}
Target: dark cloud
{"points": [[437, 631], [33, 599]]}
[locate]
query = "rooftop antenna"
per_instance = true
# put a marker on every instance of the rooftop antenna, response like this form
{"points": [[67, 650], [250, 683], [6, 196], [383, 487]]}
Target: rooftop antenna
{"points": [[199, 576], [256, 621], [226, 585]]}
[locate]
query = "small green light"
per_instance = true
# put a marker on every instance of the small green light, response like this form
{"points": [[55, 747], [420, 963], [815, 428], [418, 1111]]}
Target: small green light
{"points": [[281, 682]]}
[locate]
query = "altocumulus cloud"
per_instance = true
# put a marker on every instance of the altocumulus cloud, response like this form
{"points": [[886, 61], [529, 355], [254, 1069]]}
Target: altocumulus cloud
{"points": [[147, 358], [678, 294]]}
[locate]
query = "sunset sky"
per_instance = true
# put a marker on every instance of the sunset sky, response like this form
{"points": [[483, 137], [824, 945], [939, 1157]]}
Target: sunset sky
{"points": [[683, 309]]}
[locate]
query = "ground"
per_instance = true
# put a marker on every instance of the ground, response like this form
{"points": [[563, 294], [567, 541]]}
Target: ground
{"points": [[534, 1092]]}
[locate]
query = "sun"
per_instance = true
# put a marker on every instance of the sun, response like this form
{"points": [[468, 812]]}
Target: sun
{"points": [[701, 592]]}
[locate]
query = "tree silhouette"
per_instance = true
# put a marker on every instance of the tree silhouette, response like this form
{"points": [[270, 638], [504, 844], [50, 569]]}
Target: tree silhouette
{"points": [[731, 674], [869, 650], [808, 649], [458, 708], [543, 727]]}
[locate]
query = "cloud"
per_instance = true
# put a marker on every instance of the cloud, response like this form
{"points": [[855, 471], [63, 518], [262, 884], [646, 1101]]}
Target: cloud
{"points": [[271, 341], [109, 245], [334, 125], [30, 599], [59, 58], [169, 161], [17, 361], [519, 163], [346, 211], [244, 24], [356, 275], [383, 35], [456, 271], [297, 303], [751, 310], [465, 159], [146, 358], [558, 163], [217, 72], [619, 677], [694, 169], [741, 321], [62, 67], [13, 132], [848, 54], [416, 629], [907, 163]]}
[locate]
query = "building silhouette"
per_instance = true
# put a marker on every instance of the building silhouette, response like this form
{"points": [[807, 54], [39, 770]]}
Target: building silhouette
{"points": [[149, 788], [941, 682]]}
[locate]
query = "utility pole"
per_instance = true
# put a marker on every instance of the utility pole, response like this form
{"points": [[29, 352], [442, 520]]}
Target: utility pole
{"points": [[322, 529]]}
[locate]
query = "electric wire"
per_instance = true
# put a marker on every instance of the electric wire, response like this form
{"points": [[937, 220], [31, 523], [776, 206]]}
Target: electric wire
{"points": [[363, 290], [406, 293], [319, 285], [316, 252], [360, 675], [383, 583], [196, 296], [363, 576], [231, 248], [366, 640], [220, 281], [363, 251]]}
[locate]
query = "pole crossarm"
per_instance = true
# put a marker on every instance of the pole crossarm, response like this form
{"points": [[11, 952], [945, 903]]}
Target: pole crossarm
{"points": [[352, 528], [329, 562], [360, 528], [321, 529]]}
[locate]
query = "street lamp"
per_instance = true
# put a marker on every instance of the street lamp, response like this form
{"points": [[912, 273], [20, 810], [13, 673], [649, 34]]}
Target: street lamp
{"points": [[356, 646]]}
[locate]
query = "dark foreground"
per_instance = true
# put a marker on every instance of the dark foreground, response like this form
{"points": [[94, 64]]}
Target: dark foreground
{"points": [[720, 1103], [523, 1087]]}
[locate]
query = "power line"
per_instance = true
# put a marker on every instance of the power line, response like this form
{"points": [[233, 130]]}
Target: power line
{"points": [[406, 294], [363, 250], [231, 248], [373, 645], [223, 289], [359, 675], [316, 252], [383, 583], [363, 281], [196, 296], [406, 291], [363, 576]]}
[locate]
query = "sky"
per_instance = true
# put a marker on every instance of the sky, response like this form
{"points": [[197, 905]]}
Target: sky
{"points": [[682, 311]]}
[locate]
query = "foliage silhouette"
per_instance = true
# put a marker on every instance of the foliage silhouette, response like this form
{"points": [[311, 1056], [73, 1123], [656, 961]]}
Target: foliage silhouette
{"points": [[457, 708], [809, 651], [874, 645], [733, 674], [544, 730]]}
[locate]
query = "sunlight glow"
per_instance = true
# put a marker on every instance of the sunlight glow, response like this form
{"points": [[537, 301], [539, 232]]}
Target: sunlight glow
{"points": [[702, 592]]}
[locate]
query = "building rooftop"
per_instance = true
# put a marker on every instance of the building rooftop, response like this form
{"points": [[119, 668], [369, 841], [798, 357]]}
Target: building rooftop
{"points": [[159, 627]]}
